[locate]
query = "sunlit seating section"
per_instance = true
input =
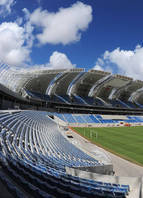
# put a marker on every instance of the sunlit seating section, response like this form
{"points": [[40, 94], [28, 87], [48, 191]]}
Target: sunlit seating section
{"points": [[34, 154], [96, 119]]}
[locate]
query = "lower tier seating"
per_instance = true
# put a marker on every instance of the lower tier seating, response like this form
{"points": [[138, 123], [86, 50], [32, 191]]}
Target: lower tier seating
{"points": [[33, 157]]}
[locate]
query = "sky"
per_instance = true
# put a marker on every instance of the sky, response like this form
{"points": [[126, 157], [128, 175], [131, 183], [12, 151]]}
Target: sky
{"points": [[59, 34]]}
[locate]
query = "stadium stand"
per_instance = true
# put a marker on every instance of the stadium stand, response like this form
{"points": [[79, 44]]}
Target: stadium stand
{"points": [[97, 119], [35, 153]]}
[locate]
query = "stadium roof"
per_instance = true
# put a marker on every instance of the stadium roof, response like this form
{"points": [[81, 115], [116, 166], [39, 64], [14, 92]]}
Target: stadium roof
{"points": [[84, 84], [110, 85], [92, 83], [126, 92]]}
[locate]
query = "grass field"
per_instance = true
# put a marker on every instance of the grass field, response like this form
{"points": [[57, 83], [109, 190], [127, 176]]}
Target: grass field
{"points": [[126, 142]]}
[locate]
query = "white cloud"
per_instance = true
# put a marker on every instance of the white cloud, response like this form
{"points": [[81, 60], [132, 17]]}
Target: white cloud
{"points": [[19, 21], [5, 6], [13, 50], [28, 28], [16, 40], [98, 67], [60, 61], [64, 26], [57, 60], [125, 62], [27, 13]]}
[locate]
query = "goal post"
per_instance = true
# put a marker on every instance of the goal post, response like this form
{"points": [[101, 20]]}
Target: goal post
{"points": [[93, 134]]}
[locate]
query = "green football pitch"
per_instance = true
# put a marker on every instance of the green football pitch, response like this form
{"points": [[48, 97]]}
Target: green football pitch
{"points": [[126, 142]]}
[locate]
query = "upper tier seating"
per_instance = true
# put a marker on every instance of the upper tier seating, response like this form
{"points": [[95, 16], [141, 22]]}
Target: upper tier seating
{"points": [[75, 99], [118, 103]]}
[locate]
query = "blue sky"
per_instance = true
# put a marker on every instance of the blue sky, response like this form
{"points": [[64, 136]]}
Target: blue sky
{"points": [[100, 34]]}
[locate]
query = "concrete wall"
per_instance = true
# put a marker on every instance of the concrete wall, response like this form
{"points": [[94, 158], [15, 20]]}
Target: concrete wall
{"points": [[141, 192], [100, 125], [59, 121], [90, 125], [135, 183], [114, 117], [102, 169]]}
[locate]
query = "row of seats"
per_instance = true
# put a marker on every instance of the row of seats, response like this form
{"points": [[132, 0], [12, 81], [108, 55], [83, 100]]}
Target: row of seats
{"points": [[25, 135], [75, 99], [34, 154], [97, 119]]}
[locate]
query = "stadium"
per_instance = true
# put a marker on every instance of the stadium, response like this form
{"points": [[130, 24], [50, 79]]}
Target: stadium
{"points": [[70, 133]]}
